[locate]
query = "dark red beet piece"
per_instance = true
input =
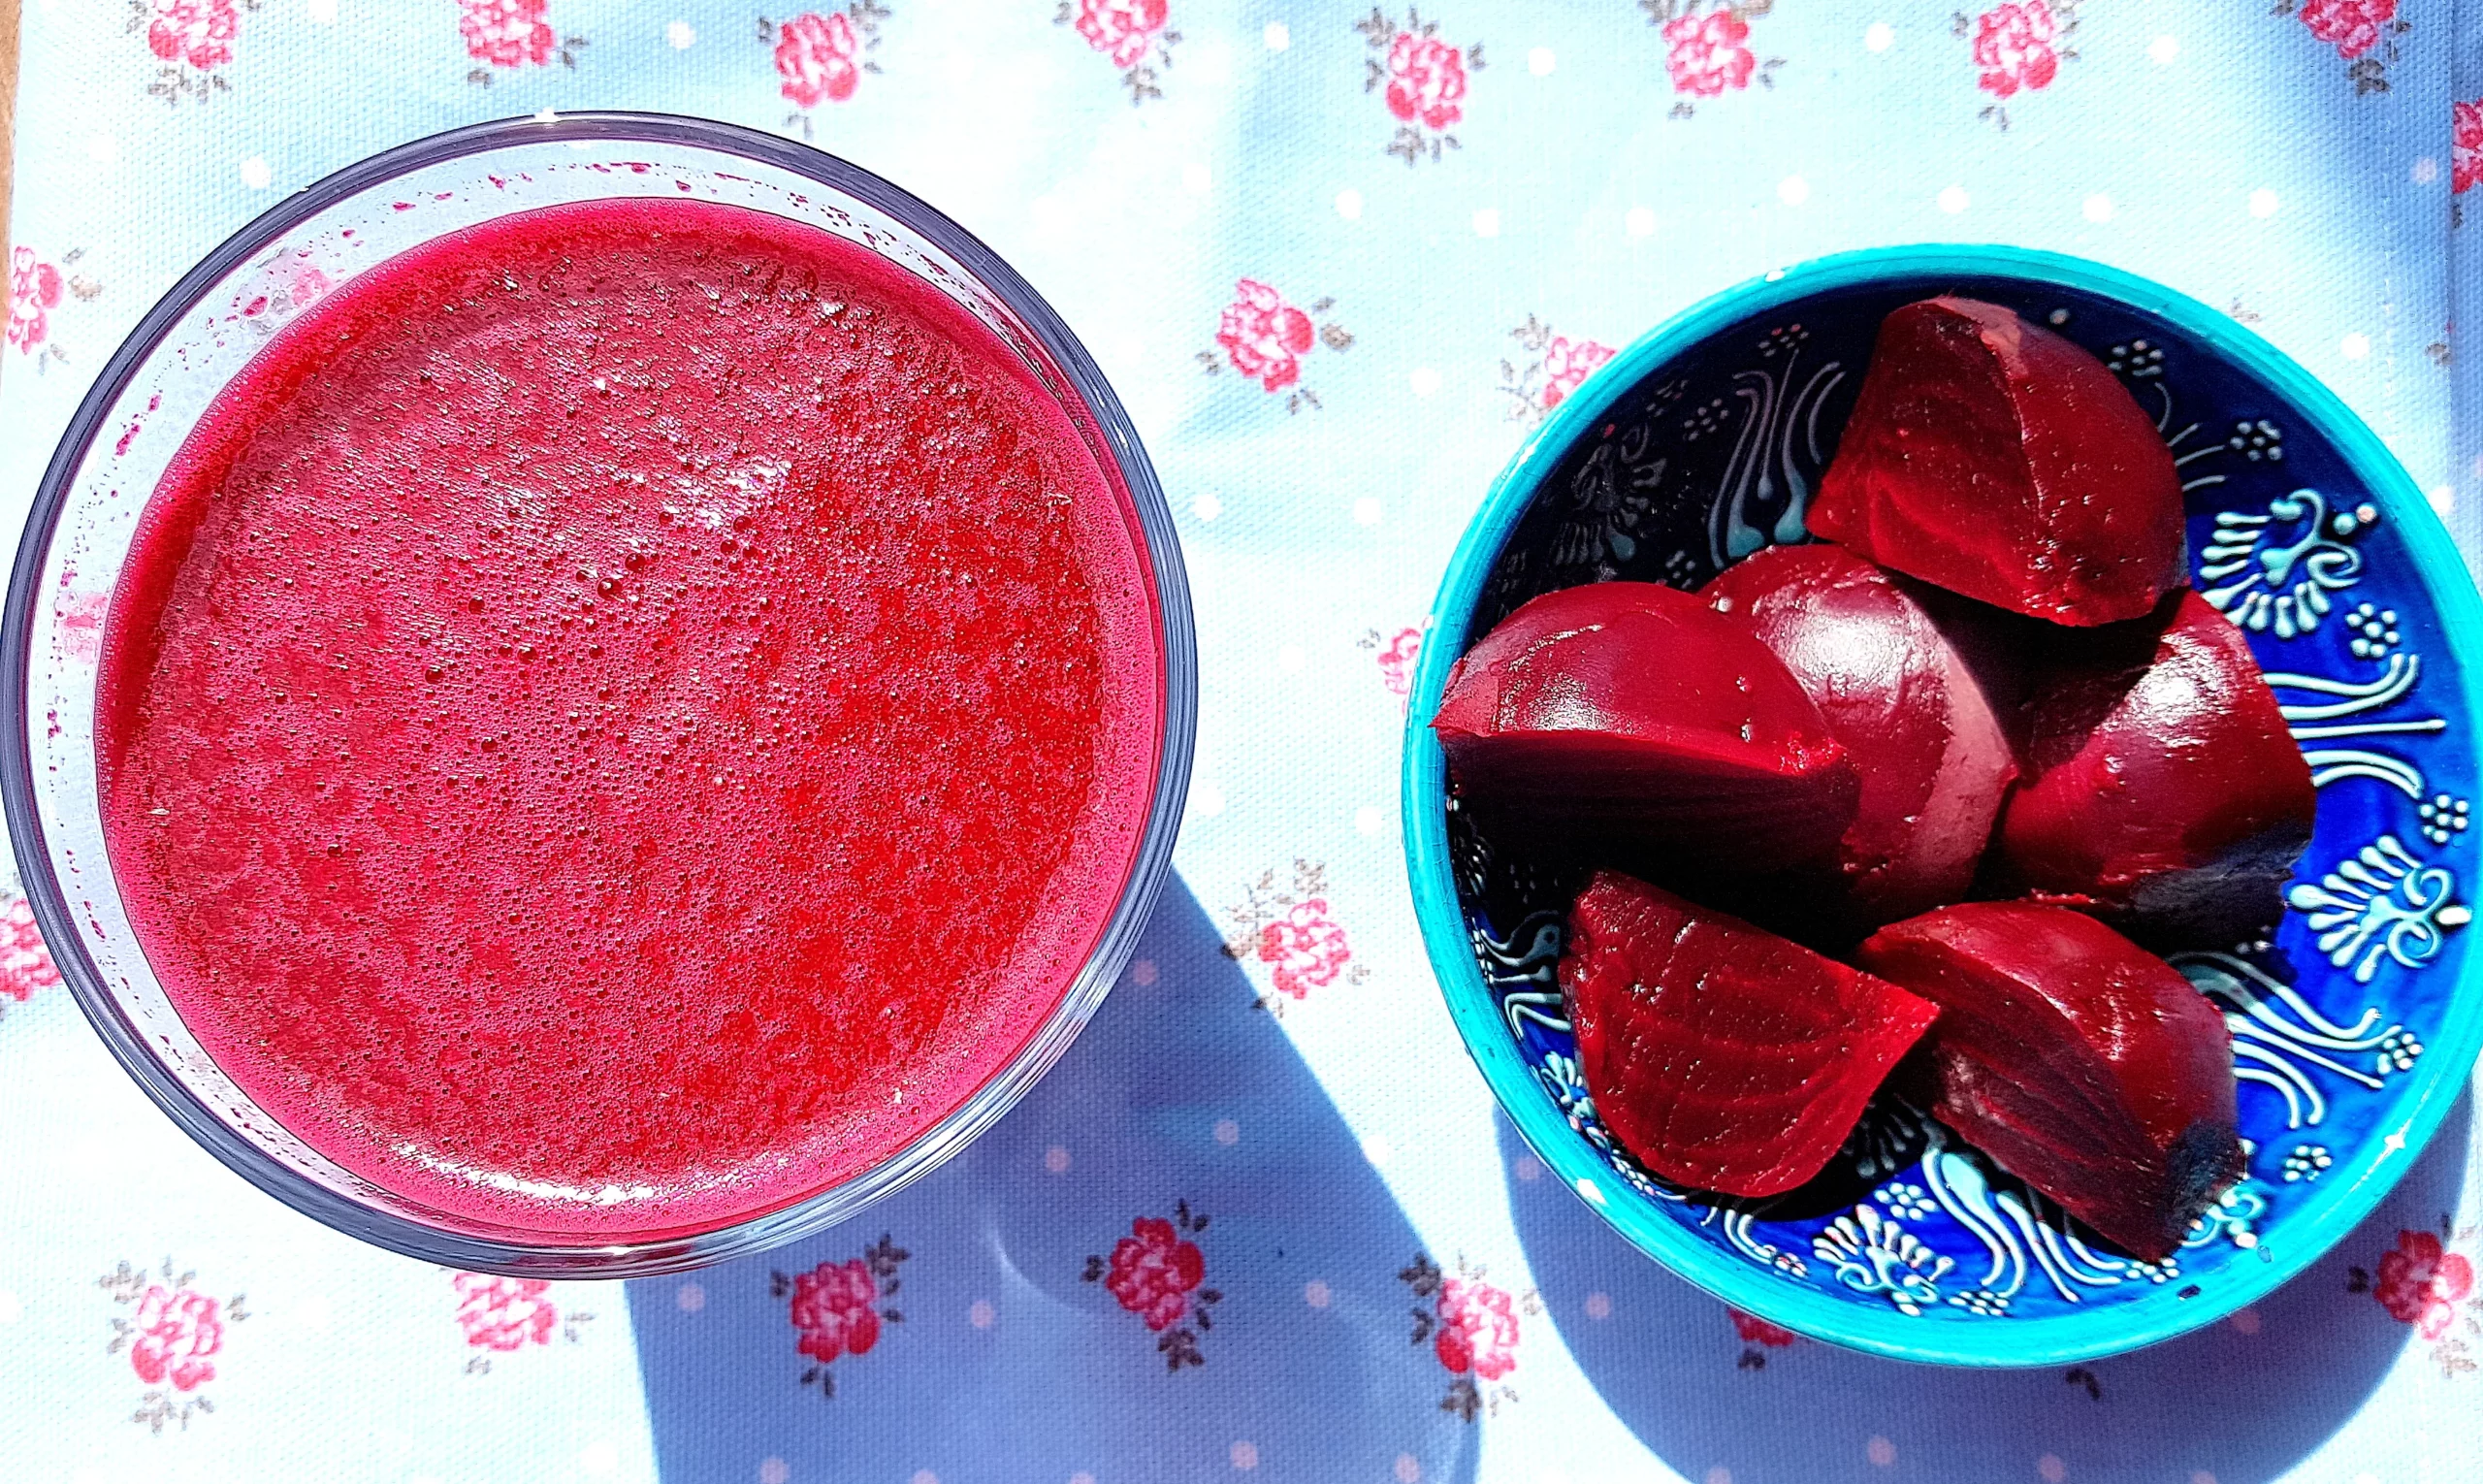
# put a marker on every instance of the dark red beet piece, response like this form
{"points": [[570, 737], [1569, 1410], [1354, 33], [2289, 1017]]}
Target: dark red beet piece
{"points": [[2162, 789], [1998, 459], [2086, 1065], [1724, 1057], [1630, 720], [1898, 671]]}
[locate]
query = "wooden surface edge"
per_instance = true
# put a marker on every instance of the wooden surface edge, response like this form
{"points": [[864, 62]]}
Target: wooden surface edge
{"points": [[9, 11]]}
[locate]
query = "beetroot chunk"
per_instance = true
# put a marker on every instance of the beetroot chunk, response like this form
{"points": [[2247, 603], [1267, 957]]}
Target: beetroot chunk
{"points": [[1898, 671], [2163, 789], [1724, 1057], [1630, 720], [1997, 460], [2086, 1066]]}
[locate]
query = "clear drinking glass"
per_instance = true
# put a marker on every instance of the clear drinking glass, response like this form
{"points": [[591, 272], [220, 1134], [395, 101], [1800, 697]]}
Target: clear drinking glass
{"points": [[172, 367]]}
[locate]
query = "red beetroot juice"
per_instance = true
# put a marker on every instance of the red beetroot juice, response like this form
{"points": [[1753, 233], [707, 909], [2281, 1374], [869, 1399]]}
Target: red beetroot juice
{"points": [[621, 718]]}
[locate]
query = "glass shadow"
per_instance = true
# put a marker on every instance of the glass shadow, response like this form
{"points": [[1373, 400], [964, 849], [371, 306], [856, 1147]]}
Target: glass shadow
{"points": [[1171, 1261], [2241, 1401]]}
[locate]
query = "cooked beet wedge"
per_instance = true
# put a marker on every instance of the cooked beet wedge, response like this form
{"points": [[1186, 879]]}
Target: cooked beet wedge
{"points": [[2162, 789], [1628, 721], [1898, 671], [1724, 1057], [1997, 460], [2086, 1065]]}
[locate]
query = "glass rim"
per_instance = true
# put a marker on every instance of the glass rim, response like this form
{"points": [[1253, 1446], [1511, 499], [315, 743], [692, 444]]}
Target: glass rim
{"points": [[624, 1257]]}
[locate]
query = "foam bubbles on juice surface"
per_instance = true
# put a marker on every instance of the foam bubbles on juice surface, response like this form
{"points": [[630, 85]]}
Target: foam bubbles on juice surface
{"points": [[629, 735]]}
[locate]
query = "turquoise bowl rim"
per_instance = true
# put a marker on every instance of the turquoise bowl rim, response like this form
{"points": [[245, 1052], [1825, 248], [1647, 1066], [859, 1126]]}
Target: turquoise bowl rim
{"points": [[2052, 1340]]}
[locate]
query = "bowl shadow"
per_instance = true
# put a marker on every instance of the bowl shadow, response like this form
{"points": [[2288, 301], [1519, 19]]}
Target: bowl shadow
{"points": [[2242, 1401], [1181, 1099]]}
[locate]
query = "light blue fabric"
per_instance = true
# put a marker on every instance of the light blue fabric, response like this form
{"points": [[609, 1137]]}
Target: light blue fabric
{"points": [[1343, 1147]]}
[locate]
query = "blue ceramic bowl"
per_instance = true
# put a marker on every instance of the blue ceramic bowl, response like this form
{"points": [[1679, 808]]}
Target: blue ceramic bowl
{"points": [[2353, 1026]]}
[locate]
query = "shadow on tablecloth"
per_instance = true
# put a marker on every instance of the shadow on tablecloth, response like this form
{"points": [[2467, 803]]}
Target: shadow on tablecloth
{"points": [[1008, 1364], [2241, 1403]]}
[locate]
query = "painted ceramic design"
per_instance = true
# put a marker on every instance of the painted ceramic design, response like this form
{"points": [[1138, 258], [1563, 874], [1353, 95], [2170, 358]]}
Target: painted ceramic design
{"points": [[2350, 1030]]}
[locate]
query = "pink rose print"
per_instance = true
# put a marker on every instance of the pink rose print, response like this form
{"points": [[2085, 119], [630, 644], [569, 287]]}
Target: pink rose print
{"points": [[2465, 137], [2352, 26], [25, 964], [832, 1307], [818, 58], [1154, 1273], [1262, 336], [1292, 932], [1705, 54], [838, 1307], [1127, 33], [1472, 1325], [33, 288], [192, 39], [1565, 364], [512, 34], [173, 1332], [503, 1314], [1425, 80], [1120, 29], [2013, 47], [506, 1314], [506, 33], [1398, 653], [2018, 46], [1477, 1330], [1561, 364], [821, 58], [1421, 78], [1307, 947], [1759, 1332], [2420, 1284], [2363, 33], [199, 32], [1707, 51]]}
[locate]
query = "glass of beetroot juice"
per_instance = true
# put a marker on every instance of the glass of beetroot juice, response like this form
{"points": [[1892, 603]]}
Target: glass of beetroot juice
{"points": [[592, 694]]}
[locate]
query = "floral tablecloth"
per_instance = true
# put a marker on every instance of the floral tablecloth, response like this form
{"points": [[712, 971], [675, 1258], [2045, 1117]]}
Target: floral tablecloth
{"points": [[1264, 1223]]}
